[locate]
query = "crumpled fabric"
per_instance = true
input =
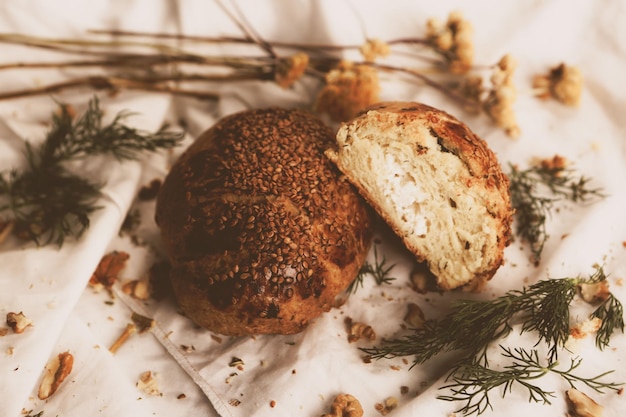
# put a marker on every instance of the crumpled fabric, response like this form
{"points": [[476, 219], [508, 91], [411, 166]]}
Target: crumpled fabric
{"points": [[300, 374]]}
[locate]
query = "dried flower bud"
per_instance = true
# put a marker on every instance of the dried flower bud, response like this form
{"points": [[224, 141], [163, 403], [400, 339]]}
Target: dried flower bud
{"points": [[55, 372], [454, 41], [150, 191], [349, 89], [582, 405], [556, 163], [289, 70], [373, 49], [345, 405], [148, 383], [500, 99], [563, 82], [18, 321], [472, 88]]}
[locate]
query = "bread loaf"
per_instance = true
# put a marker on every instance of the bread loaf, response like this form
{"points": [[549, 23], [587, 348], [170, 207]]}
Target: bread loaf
{"points": [[437, 184], [261, 229]]}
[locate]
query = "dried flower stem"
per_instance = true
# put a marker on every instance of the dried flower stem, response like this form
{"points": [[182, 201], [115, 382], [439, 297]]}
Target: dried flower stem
{"points": [[446, 48], [129, 330]]}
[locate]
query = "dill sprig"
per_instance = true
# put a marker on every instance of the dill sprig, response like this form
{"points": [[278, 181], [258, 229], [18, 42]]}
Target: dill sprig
{"points": [[610, 311], [525, 367], [380, 271], [535, 190], [45, 199], [471, 326]]}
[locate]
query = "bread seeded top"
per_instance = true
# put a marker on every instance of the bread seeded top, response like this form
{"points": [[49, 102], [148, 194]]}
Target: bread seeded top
{"points": [[252, 197]]}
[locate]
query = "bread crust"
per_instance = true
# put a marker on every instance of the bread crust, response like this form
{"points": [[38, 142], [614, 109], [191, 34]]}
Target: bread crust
{"points": [[484, 176], [261, 229]]}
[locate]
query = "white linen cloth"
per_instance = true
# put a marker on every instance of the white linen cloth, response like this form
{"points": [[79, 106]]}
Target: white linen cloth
{"points": [[301, 374]]}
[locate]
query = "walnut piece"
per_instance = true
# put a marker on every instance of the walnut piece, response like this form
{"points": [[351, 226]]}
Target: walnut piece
{"points": [[595, 292], [345, 405], [414, 316], [108, 270], [55, 372], [358, 330], [137, 288], [18, 321], [422, 280], [582, 405]]}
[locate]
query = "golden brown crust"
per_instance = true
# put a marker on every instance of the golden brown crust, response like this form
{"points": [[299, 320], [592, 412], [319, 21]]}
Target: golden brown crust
{"points": [[452, 136], [261, 230]]}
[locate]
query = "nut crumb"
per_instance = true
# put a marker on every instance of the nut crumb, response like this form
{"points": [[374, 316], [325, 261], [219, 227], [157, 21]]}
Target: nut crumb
{"points": [[55, 372], [18, 321], [581, 405], [137, 288], [386, 406], [234, 402], [235, 362], [148, 383]]}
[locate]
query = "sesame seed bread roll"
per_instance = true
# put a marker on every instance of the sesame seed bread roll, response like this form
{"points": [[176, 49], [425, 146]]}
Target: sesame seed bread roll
{"points": [[437, 184], [261, 229]]}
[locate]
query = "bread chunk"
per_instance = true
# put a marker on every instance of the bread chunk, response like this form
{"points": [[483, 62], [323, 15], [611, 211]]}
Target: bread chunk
{"points": [[437, 184], [261, 230]]}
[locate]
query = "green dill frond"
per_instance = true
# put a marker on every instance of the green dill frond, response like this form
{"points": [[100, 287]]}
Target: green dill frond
{"points": [[535, 191], [472, 382], [47, 201], [380, 271], [471, 326]]}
